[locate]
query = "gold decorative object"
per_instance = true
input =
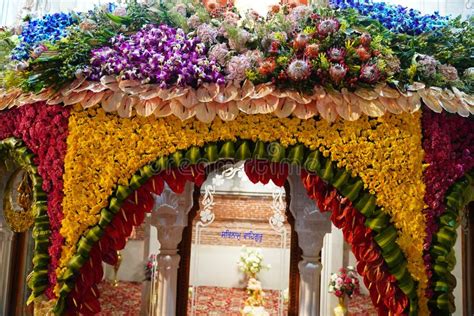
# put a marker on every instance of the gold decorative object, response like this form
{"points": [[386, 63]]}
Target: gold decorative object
{"points": [[340, 309], [117, 267], [17, 202], [43, 306]]}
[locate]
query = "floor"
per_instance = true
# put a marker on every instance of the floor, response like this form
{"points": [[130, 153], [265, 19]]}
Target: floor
{"points": [[214, 301], [125, 300]]}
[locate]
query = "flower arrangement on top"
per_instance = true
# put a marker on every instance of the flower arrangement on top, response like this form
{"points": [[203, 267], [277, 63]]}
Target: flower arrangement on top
{"points": [[187, 45], [322, 52]]}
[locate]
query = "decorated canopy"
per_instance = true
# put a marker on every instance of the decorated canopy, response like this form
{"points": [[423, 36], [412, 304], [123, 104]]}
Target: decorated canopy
{"points": [[371, 101]]}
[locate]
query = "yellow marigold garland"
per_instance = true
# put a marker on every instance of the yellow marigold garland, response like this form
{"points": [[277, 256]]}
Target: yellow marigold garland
{"points": [[386, 153]]}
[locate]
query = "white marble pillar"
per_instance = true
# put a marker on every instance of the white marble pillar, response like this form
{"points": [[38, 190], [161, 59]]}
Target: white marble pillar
{"points": [[311, 226], [170, 217], [6, 239], [332, 258], [310, 271], [168, 265], [311, 242]]}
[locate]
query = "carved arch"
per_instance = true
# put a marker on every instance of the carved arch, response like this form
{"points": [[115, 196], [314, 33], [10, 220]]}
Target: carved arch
{"points": [[14, 149], [352, 208], [302, 216]]}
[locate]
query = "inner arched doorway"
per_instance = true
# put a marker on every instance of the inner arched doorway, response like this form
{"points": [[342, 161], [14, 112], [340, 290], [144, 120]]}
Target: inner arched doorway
{"points": [[174, 226], [165, 187], [16, 242], [235, 212]]}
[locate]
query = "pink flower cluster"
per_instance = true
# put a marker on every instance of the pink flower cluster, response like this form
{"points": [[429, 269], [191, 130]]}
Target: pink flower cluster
{"points": [[449, 151], [44, 130], [344, 283]]}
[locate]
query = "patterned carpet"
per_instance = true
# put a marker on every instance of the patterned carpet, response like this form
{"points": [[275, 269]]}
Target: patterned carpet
{"points": [[214, 301], [361, 305], [125, 300]]}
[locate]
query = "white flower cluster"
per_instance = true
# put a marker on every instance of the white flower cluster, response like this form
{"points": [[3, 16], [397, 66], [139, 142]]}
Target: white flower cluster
{"points": [[254, 311], [251, 261]]}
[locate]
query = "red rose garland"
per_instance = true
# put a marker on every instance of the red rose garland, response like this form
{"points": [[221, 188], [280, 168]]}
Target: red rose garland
{"points": [[383, 288], [44, 130], [449, 151]]}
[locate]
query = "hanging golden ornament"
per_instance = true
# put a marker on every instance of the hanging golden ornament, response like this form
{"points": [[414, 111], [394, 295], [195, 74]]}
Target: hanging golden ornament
{"points": [[17, 202]]}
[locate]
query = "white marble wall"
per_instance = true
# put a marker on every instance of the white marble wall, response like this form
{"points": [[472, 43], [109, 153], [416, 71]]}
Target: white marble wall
{"points": [[332, 259], [132, 267], [205, 271]]}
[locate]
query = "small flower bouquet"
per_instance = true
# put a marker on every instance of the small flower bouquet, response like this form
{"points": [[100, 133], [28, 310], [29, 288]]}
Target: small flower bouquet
{"points": [[345, 282], [251, 262], [150, 267]]}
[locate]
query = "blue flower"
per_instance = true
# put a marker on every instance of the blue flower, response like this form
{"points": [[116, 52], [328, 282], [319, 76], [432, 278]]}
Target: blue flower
{"points": [[395, 17], [49, 28]]}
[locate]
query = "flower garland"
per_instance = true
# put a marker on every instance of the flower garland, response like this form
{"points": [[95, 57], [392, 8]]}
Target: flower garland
{"points": [[400, 192], [385, 294], [396, 18], [449, 147], [44, 131], [105, 151], [442, 254]]}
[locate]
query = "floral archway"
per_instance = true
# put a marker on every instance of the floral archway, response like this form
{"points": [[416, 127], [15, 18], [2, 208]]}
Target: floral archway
{"points": [[119, 100], [264, 162]]}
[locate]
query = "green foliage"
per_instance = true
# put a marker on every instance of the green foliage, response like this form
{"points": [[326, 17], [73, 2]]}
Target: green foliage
{"points": [[7, 43], [65, 58], [452, 45]]}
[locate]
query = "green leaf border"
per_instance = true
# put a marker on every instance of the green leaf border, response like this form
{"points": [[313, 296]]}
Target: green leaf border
{"points": [[443, 257]]}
